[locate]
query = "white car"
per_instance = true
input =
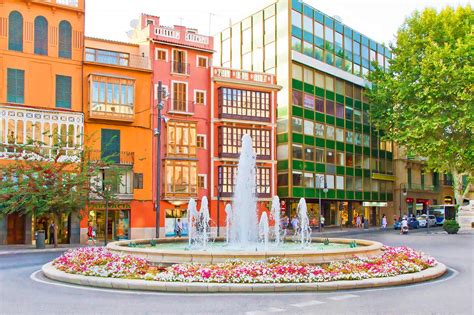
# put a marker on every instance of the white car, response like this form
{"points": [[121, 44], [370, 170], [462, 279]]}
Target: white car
{"points": [[422, 220]]}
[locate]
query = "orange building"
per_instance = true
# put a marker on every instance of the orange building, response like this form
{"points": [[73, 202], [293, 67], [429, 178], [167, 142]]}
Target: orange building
{"points": [[243, 102], [117, 92], [41, 52]]}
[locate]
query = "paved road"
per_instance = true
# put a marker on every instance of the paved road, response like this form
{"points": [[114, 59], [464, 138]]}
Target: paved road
{"points": [[453, 294]]}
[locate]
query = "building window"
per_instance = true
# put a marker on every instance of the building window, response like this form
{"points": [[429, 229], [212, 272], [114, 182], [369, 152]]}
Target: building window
{"points": [[15, 86], [180, 177], [181, 139], [180, 92], [179, 64], [15, 31], [161, 54], [201, 141], [200, 97], [138, 180], [230, 141], [107, 57], [202, 181], [63, 91], [110, 145], [228, 176], [243, 104], [112, 95], [65, 40], [201, 61], [41, 36]]}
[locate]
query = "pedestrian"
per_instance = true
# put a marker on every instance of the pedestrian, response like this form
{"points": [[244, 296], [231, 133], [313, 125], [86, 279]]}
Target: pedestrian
{"points": [[358, 225], [294, 223], [322, 221], [51, 233], [91, 234], [384, 222], [178, 228]]}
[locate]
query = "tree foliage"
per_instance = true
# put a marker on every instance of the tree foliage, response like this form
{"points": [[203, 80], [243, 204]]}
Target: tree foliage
{"points": [[424, 102], [53, 180]]}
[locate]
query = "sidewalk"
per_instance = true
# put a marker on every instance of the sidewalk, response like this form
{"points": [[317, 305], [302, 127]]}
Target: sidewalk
{"points": [[28, 249], [341, 232]]}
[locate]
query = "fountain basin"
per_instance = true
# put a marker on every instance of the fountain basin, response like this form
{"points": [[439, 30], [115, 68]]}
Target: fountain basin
{"points": [[162, 255]]}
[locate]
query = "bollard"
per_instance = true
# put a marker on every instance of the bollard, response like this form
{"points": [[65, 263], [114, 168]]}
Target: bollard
{"points": [[39, 237]]}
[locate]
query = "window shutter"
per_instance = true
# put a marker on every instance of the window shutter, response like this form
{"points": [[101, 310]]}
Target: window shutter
{"points": [[41, 36], [15, 31], [65, 39], [63, 91], [15, 86], [110, 145]]}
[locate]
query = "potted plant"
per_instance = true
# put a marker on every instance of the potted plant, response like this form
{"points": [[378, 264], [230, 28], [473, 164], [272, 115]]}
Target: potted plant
{"points": [[451, 226]]}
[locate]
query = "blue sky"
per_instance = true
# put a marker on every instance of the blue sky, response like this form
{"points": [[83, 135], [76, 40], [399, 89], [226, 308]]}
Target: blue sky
{"points": [[377, 19]]}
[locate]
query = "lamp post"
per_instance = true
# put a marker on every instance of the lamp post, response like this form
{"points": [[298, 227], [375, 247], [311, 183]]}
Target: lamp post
{"points": [[158, 160], [105, 194], [325, 189], [404, 192]]}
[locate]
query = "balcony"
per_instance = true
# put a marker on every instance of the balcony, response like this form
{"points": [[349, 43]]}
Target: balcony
{"points": [[118, 112], [180, 68], [420, 187], [126, 158], [74, 4], [120, 59], [178, 106], [242, 75], [182, 36]]}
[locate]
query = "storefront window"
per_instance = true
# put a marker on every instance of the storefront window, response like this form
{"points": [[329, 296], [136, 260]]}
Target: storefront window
{"points": [[118, 223], [297, 124]]}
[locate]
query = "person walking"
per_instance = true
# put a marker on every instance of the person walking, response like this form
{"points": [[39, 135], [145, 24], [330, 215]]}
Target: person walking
{"points": [[51, 233], [178, 227], [322, 221], [91, 234], [384, 222], [294, 223], [358, 225]]}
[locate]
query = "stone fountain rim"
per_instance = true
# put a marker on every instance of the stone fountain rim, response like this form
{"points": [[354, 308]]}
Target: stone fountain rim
{"points": [[367, 249]]}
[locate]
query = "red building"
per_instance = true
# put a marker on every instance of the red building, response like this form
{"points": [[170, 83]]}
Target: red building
{"points": [[243, 102], [181, 61]]}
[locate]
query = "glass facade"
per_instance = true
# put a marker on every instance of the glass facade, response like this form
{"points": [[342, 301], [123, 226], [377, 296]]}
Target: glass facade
{"points": [[324, 132]]}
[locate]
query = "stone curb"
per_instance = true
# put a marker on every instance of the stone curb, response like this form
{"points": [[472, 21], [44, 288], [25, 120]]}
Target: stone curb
{"points": [[197, 287], [36, 251]]}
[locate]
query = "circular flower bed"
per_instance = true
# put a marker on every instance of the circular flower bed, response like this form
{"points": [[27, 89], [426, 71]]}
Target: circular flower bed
{"points": [[100, 262]]}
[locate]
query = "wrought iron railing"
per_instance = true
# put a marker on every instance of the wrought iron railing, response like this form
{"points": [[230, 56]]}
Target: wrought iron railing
{"points": [[121, 158]]}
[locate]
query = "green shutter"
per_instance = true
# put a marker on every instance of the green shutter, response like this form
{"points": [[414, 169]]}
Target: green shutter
{"points": [[110, 145], [15, 86], [63, 91]]}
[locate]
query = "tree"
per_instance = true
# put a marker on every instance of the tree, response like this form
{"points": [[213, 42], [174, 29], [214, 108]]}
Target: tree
{"points": [[424, 101], [50, 180]]}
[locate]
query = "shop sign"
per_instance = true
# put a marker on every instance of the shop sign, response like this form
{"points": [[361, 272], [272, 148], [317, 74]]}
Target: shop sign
{"points": [[112, 206], [374, 204]]}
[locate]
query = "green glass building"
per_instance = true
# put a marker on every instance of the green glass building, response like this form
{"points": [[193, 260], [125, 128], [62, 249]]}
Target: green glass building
{"points": [[324, 136]]}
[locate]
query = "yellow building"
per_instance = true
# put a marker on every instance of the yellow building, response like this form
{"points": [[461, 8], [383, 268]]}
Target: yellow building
{"points": [[41, 53]]}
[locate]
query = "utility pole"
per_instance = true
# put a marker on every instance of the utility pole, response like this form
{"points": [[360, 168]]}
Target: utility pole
{"points": [[158, 160]]}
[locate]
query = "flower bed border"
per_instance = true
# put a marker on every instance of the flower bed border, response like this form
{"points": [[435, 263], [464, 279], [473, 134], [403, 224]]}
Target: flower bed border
{"points": [[148, 285]]}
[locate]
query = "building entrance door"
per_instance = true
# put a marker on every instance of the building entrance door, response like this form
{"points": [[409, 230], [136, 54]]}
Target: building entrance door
{"points": [[16, 229]]}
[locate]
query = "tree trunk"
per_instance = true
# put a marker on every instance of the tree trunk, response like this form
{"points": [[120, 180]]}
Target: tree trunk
{"points": [[56, 226], [457, 187]]}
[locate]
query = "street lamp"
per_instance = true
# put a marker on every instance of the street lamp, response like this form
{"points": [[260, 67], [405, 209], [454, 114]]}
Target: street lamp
{"points": [[404, 192], [105, 193], [160, 106], [325, 189]]}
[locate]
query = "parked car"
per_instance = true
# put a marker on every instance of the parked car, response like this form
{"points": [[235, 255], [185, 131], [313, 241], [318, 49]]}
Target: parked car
{"points": [[413, 223], [422, 220]]}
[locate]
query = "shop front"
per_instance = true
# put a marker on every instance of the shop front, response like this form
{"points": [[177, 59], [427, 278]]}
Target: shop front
{"points": [[45, 223], [118, 227], [171, 220]]}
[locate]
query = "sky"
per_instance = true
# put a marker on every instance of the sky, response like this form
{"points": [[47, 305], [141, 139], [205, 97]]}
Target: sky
{"points": [[377, 19]]}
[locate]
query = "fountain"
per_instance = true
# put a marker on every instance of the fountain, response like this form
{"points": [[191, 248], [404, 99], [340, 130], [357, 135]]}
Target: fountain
{"points": [[275, 213], [243, 224], [263, 229], [247, 235], [304, 231]]}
